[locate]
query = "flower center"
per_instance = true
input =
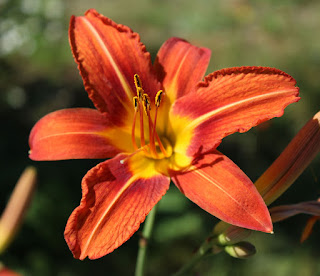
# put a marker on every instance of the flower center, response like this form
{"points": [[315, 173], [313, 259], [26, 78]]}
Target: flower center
{"points": [[154, 148]]}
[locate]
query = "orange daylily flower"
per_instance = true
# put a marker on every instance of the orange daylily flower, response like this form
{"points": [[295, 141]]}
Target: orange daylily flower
{"points": [[157, 122]]}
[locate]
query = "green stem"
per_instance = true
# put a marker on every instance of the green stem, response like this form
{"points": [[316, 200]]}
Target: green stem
{"points": [[143, 243], [197, 256]]}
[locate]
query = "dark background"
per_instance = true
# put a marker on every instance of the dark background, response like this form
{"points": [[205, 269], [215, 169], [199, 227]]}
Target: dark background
{"points": [[38, 75]]}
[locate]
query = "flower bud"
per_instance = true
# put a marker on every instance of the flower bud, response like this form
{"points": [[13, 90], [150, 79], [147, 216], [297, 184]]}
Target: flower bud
{"points": [[13, 214], [240, 250], [232, 235], [291, 163]]}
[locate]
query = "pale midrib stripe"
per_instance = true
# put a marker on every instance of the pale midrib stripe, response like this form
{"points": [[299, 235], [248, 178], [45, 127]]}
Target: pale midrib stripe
{"points": [[120, 193], [123, 81], [177, 73], [67, 133], [219, 187], [195, 122]]}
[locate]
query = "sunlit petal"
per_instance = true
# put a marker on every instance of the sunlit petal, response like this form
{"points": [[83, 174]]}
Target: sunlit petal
{"points": [[77, 133], [108, 56], [115, 201], [218, 186], [180, 66], [231, 100]]}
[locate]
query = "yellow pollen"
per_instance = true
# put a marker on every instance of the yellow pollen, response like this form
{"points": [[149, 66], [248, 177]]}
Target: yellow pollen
{"points": [[135, 103], [140, 93], [158, 98], [137, 81], [146, 104]]}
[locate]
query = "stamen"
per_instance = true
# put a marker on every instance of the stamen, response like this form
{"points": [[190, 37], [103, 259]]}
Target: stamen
{"points": [[161, 146], [135, 103], [146, 104], [157, 104], [147, 108], [133, 137], [137, 81], [140, 94], [142, 100], [158, 98]]}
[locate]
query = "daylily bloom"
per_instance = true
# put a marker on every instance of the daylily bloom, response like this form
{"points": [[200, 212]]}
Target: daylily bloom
{"points": [[157, 122]]}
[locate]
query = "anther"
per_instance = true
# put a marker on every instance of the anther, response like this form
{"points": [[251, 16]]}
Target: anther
{"points": [[135, 103], [146, 104], [140, 93], [137, 81], [158, 98]]}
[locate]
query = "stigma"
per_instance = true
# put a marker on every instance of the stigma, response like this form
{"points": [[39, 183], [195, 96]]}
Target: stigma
{"points": [[153, 146]]}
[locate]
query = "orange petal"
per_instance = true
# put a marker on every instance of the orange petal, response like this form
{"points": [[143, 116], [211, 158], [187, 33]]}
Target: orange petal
{"points": [[295, 158], [77, 133], [108, 56], [114, 203], [231, 100], [218, 186], [181, 66], [4, 271]]}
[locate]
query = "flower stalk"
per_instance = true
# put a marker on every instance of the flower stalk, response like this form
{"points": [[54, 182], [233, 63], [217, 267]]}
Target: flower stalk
{"points": [[144, 241], [204, 250]]}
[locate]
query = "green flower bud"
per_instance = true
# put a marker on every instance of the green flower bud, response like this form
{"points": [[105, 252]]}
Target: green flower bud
{"points": [[232, 235], [240, 250]]}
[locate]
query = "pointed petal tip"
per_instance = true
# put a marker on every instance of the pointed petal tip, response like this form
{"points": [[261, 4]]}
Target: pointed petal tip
{"points": [[264, 226], [267, 225], [219, 187]]}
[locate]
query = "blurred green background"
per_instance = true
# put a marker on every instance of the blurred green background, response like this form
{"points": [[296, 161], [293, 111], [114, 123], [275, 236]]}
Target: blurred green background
{"points": [[38, 75]]}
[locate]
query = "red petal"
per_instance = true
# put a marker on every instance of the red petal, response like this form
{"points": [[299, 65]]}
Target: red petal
{"points": [[76, 133], [7, 272], [231, 100], [181, 66], [108, 56], [115, 201], [219, 187]]}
